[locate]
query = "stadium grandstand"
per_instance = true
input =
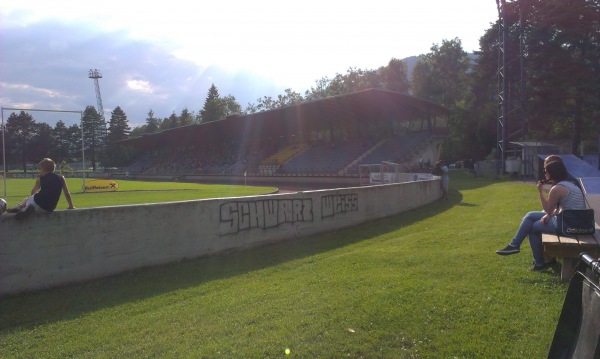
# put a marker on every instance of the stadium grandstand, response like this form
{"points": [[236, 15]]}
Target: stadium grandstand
{"points": [[330, 137]]}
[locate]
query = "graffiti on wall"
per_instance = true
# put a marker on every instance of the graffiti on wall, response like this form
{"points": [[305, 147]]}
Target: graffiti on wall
{"points": [[263, 214], [338, 204], [239, 216]]}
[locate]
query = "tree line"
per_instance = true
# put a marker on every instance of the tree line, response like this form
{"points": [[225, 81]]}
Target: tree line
{"points": [[27, 141], [392, 77], [554, 90]]}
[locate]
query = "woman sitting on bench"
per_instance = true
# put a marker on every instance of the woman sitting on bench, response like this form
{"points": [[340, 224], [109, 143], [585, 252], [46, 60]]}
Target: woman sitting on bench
{"points": [[564, 194]]}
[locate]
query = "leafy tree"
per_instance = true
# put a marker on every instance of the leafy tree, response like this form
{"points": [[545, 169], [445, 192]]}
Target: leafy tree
{"points": [[251, 108], [29, 141], [20, 132], [230, 106], [354, 80], [168, 122], [441, 76], [118, 130], [138, 131], [74, 140], [358, 80], [563, 66], [212, 110], [59, 138], [482, 129], [319, 91], [165, 123], [395, 76], [41, 144], [186, 118], [94, 134], [216, 107], [152, 123], [265, 103], [289, 98], [118, 126]]}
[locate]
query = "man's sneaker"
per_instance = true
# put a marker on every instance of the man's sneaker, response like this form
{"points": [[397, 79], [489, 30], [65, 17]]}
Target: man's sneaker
{"points": [[508, 250], [25, 213], [15, 209]]}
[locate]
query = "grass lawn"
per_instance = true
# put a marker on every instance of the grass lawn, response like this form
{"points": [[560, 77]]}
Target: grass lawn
{"points": [[131, 192], [423, 284]]}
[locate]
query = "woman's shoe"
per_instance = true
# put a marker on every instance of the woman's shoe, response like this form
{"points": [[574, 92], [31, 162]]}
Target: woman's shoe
{"points": [[508, 250], [539, 267]]}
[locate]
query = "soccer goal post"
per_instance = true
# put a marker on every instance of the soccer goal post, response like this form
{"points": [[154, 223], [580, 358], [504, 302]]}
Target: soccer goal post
{"points": [[369, 174], [389, 172], [69, 144]]}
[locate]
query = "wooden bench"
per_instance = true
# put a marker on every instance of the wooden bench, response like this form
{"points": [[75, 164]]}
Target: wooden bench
{"points": [[569, 249]]}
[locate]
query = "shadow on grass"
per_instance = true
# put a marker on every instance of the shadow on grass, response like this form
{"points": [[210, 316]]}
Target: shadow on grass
{"points": [[29, 310], [547, 277], [464, 204]]}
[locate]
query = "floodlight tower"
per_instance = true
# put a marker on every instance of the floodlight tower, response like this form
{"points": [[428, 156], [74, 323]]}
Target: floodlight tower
{"points": [[508, 108], [95, 74]]}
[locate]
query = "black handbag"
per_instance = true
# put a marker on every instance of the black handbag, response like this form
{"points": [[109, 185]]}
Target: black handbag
{"points": [[575, 222]]}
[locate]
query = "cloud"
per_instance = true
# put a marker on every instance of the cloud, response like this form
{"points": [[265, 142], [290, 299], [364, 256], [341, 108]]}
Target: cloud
{"points": [[45, 65], [139, 85], [164, 56]]}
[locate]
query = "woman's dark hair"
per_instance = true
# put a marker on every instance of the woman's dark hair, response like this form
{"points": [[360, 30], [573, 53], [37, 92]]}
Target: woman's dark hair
{"points": [[557, 171]]}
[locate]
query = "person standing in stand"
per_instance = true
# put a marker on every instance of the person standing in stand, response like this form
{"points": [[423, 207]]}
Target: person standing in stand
{"points": [[445, 180], [441, 170]]}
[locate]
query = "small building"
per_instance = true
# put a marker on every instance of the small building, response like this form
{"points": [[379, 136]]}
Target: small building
{"points": [[523, 157]]}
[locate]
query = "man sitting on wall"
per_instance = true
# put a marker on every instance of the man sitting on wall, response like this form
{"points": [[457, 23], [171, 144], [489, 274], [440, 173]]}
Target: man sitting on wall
{"points": [[45, 193]]}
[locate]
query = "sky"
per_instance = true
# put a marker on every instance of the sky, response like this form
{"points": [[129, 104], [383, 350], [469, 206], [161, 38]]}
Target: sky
{"points": [[164, 55]]}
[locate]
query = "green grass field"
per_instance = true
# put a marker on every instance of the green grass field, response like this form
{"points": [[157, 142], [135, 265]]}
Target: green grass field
{"points": [[423, 284], [131, 192]]}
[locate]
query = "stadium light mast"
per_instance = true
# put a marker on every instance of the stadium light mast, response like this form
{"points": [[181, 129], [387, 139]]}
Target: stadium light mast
{"points": [[507, 9], [502, 105], [95, 74]]}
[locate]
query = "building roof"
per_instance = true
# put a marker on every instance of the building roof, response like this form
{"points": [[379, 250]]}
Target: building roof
{"points": [[346, 111], [532, 144]]}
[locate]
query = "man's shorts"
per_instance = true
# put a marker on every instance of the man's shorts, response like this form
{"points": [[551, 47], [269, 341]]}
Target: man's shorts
{"points": [[31, 202]]}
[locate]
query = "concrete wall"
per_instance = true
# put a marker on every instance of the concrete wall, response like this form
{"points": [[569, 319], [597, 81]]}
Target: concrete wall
{"points": [[70, 246]]}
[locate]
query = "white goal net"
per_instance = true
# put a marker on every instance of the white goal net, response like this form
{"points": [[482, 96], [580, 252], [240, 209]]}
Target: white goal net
{"points": [[389, 172]]}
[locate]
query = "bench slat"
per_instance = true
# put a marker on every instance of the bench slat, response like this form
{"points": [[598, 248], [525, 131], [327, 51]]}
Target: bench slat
{"points": [[568, 240], [570, 247], [579, 240], [571, 253]]}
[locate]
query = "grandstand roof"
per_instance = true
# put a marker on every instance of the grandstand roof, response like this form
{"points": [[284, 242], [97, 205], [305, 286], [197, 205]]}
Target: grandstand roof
{"points": [[351, 110]]}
